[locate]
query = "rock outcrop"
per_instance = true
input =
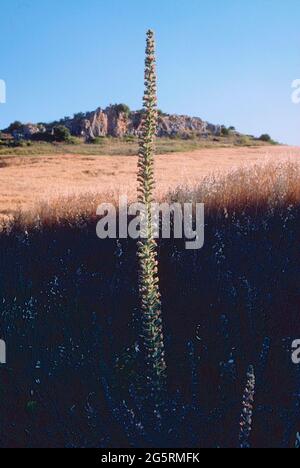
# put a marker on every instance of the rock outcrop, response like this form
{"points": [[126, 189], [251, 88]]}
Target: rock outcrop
{"points": [[115, 123], [181, 125], [27, 131], [118, 121]]}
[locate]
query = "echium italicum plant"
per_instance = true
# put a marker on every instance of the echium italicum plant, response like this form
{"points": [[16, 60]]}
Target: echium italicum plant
{"points": [[150, 299]]}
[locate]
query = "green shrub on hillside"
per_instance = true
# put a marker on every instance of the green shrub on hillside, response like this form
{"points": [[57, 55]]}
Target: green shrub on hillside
{"points": [[19, 143], [15, 126], [99, 140], [161, 113], [265, 137], [225, 131], [122, 108], [61, 134], [244, 140], [79, 116]]}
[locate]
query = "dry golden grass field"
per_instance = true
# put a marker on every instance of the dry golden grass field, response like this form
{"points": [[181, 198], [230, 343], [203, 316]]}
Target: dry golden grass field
{"points": [[26, 181]]}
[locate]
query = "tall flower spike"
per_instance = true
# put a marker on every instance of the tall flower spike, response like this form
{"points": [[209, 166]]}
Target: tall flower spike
{"points": [[152, 329], [247, 412]]}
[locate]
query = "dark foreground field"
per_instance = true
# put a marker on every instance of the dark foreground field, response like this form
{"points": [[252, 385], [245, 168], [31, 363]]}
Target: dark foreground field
{"points": [[70, 318]]}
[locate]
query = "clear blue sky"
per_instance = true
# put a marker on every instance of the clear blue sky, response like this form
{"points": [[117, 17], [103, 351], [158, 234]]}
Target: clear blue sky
{"points": [[227, 61]]}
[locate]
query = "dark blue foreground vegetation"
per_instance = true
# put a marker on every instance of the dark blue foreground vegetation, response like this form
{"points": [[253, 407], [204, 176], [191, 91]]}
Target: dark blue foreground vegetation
{"points": [[70, 318]]}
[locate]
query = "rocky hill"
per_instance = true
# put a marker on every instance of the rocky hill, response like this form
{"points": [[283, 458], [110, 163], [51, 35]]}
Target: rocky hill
{"points": [[116, 122], [119, 121]]}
